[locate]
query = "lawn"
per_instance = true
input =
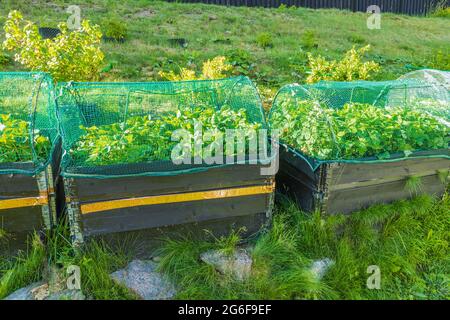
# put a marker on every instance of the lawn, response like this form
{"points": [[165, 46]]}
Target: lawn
{"points": [[269, 45], [408, 240]]}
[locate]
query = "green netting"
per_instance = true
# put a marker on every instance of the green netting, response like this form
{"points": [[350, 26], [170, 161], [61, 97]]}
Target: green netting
{"points": [[122, 129], [28, 124], [363, 121]]}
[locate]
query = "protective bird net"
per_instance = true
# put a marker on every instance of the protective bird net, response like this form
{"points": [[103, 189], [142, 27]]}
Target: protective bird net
{"points": [[363, 121], [28, 124], [129, 129]]}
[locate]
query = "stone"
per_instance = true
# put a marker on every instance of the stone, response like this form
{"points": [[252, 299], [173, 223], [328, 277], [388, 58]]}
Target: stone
{"points": [[238, 264], [320, 267], [67, 295], [142, 278], [26, 293]]}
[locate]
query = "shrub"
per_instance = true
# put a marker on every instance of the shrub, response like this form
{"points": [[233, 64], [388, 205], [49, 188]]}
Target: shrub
{"points": [[241, 61], [114, 29], [440, 60], [350, 68], [216, 68], [308, 40], [71, 55], [264, 40]]}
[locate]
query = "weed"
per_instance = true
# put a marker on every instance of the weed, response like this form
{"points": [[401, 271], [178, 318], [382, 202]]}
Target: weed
{"points": [[114, 29], [264, 40], [413, 184], [308, 40]]}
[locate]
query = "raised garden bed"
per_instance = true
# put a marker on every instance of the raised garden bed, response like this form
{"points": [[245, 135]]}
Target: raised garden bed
{"points": [[218, 199], [347, 146], [346, 187], [118, 176], [28, 144]]}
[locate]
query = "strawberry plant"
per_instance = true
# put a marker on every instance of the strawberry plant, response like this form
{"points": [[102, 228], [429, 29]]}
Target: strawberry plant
{"points": [[358, 130], [145, 139], [15, 143]]}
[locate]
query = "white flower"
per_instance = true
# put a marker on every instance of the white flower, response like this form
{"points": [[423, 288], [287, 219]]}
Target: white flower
{"points": [[2, 126]]}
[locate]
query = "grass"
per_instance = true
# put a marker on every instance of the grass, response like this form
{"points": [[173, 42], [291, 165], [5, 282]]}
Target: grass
{"points": [[407, 240], [243, 34], [96, 261], [26, 268]]}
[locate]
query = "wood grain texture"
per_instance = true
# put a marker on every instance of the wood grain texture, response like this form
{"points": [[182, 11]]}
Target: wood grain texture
{"points": [[346, 187], [129, 187], [154, 216], [348, 200]]}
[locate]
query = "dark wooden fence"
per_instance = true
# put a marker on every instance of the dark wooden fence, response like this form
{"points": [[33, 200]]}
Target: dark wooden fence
{"points": [[411, 7]]}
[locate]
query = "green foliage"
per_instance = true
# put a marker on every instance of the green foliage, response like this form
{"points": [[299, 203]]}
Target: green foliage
{"points": [[115, 29], [216, 68], [142, 138], [440, 59], [96, 259], [264, 40], [15, 143], [408, 240], [440, 10], [414, 185], [4, 58], [444, 176], [308, 40], [25, 269], [350, 68], [357, 130], [357, 39], [71, 55], [242, 62]]}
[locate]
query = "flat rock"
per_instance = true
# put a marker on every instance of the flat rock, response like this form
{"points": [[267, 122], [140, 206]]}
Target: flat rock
{"points": [[142, 278], [28, 292], [238, 264], [67, 295]]}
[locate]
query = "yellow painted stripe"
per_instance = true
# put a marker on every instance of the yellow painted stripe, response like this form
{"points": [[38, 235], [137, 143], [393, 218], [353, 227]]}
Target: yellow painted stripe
{"points": [[174, 198], [23, 202]]}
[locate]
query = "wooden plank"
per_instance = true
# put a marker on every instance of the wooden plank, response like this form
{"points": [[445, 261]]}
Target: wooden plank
{"points": [[346, 173], [121, 188], [100, 206], [348, 200], [21, 219], [154, 216], [17, 186]]}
